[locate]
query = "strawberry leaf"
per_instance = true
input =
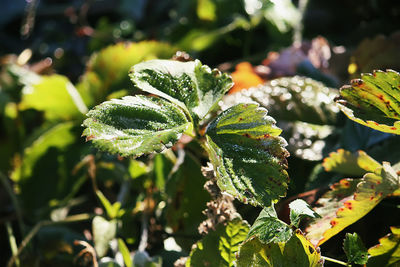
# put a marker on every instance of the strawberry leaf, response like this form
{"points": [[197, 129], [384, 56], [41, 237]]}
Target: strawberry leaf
{"points": [[373, 101], [136, 125], [248, 155]]}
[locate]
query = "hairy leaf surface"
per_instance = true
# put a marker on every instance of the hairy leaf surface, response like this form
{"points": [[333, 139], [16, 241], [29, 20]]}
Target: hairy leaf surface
{"points": [[190, 84], [218, 248], [388, 250], [248, 155], [268, 228], [373, 101], [300, 209], [297, 250], [135, 125], [355, 249]]}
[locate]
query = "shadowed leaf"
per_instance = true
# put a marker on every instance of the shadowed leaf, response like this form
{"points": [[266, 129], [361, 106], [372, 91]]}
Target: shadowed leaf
{"points": [[218, 248]]}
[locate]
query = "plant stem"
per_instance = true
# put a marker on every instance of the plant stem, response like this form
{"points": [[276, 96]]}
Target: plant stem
{"points": [[335, 261], [14, 200], [13, 242], [36, 228]]}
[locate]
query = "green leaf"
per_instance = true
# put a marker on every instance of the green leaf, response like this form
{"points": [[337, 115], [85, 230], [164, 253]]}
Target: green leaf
{"points": [[298, 250], [371, 190], [206, 10], [291, 99], [388, 250], [373, 101], [299, 209], [46, 167], [190, 85], [137, 168], [355, 249], [184, 212], [218, 248], [103, 232], [56, 96], [248, 155], [135, 125], [345, 162], [268, 228], [107, 70], [125, 253], [111, 209]]}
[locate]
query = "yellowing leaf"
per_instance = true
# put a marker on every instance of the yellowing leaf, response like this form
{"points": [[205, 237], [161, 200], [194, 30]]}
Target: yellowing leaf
{"points": [[373, 101], [244, 77], [388, 250], [345, 162], [371, 190], [297, 250]]}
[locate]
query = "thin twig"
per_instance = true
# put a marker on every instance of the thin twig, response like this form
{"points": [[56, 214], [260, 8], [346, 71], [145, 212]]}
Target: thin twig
{"points": [[38, 226], [14, 200], [335, 261], [13, 242]]}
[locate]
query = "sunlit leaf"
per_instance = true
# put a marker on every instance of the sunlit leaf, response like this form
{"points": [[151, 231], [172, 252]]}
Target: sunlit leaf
{"points": [[291, 99], [355, 249], [299, 209], [55, 96], [248, 155], [107, 70], [206, 10], [371, 190], [268, 228], [345, 162], [125, 253], [373, 101], [297, 250], [135, 125], [387, 251], [190, 84], [244, 77], [218, 248], [328, 205], [103, 232]]}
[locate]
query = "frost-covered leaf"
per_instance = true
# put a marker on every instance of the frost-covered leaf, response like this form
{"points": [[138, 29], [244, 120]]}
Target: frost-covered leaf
{"points": [[297, 250], [371, 190], [107, 70], [103, 232], [268, 228], [55, 96], [190, 85], [248, 155], [373, 101], [299, 209], [387, 251], [291, 99], [345, 162], [218, 248], [135, 125], [355, 249]]}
